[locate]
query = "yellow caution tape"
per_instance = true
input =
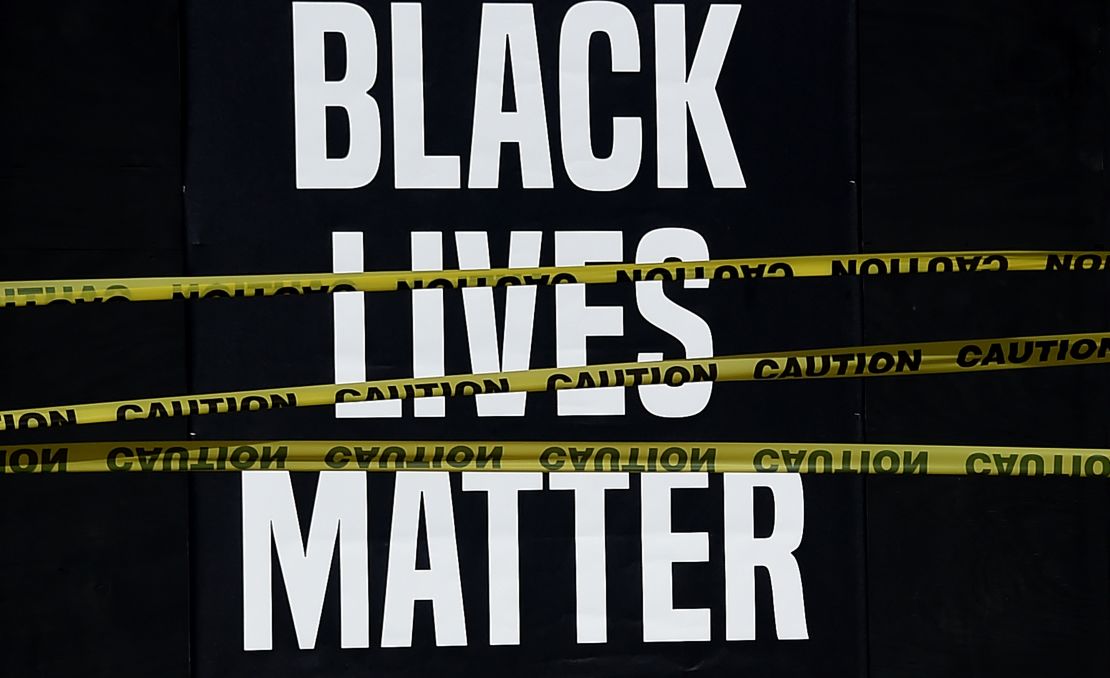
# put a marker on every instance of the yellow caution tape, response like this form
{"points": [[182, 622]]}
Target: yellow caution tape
{"points": [[933, 357], [39, 292], [598, 456]]}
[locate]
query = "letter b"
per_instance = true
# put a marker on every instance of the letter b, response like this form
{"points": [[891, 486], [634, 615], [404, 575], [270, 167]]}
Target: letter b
{"points": [[313, 94]]}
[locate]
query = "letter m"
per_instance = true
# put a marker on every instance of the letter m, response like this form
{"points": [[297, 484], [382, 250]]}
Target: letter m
{"points": [[339, 513]]}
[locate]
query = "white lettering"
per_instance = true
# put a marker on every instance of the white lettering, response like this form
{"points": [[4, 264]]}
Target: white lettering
{"points": [[313, 95], [661, 549], [339, 514], [744, 552], [510, 26], [427, 321], [688, 327], [589, 547], [481, 326], [504, 549], [440, 583], [350, 330], [412, 168], [581, 23], [677, 92], [574, 320]]}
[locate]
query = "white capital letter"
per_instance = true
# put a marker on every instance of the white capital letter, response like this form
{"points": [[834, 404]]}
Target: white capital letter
{"points": [[440, 583], [744, 552], [688, 327], [515, 24], [676, 91], [481, 325], [411, 167], [339, 513], [313, 95], [661, 549], [504, 548], [350, 330], [579, 26], [589, 547], [427, 321], [574, 320]]}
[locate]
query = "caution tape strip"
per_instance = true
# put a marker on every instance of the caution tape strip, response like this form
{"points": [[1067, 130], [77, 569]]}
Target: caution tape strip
{"points": [[40, 292], [554, 456], [935, 357]]}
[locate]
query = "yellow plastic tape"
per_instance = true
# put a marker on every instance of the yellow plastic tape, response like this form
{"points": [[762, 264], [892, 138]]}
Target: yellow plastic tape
{"points": [[553, 456], [934, 357], [40, 292]]}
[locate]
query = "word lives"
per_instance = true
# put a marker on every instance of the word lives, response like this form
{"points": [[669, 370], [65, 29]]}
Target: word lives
{"points": [[575, 322]]}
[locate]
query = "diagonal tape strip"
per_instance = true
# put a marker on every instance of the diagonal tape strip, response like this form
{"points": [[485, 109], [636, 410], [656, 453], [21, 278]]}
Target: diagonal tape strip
{"points": [[41, 292], [936, 357], [554, 456]]}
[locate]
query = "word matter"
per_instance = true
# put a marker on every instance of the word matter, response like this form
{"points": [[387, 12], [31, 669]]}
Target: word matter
{"points": [[430, 511]]}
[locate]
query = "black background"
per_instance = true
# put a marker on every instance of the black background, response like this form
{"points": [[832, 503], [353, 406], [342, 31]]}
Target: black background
{"points": [[982, 124], [242, 209]]}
